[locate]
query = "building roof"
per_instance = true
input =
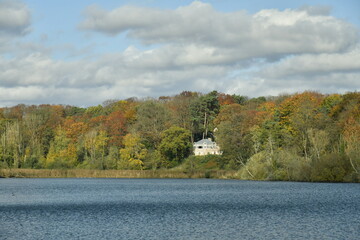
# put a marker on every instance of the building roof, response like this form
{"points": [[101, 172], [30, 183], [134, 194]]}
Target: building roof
{"points": [[204, 141]]}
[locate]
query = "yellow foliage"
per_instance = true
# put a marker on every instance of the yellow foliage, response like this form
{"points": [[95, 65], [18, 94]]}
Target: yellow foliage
{"points": [[134, 152]]}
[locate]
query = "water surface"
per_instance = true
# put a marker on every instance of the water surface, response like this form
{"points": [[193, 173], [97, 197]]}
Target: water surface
{"points": [[177, 209]]}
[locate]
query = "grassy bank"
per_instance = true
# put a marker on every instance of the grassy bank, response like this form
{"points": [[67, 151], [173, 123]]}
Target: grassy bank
{"points": [[85, 173]]}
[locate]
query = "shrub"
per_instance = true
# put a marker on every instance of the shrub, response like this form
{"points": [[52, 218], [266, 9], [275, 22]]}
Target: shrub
{"points": [[330, 168], [207, 162]]}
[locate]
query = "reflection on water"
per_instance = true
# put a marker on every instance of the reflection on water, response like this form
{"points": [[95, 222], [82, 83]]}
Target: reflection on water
{"points": [[177, 209]]}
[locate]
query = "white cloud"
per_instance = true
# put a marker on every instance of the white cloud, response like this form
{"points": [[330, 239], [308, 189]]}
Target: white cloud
{"points": [[316, 10], [15, 20], [266, 33], [14, 17], [38, 78], [315, 64], [196, 48], [327, 73]]}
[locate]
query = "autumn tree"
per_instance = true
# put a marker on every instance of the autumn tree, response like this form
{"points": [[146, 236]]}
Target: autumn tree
{"points": [[75, 129], [133, 154], [296, 115], [115, 125], [95, 143], [62, 152], [302, 137], [225, 99]]}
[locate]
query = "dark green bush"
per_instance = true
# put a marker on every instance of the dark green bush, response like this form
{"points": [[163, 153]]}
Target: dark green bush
{"points": [[330, 168]]}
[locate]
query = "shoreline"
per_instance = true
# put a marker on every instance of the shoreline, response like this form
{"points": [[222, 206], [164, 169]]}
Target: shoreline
{"points": [[145, 174], [89, 173]]}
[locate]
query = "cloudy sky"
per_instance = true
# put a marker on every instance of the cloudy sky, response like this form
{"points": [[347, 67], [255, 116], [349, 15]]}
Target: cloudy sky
{"points": [[85, 52]]}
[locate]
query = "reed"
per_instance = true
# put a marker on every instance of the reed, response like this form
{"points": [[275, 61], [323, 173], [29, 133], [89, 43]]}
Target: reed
{"points": [[86, 173]]}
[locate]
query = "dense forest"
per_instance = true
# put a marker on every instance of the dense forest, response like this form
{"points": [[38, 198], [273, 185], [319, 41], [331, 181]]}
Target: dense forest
{"points": [[300, 137]]}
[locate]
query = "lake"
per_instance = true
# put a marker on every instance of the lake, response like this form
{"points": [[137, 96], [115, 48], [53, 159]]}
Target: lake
{"points": [[177, 209]]}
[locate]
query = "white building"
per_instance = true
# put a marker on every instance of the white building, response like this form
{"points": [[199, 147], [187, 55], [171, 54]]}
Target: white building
{"points": [[205, 147]]}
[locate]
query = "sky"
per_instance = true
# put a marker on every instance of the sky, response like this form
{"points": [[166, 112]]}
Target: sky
{"points": [[83, 53]]}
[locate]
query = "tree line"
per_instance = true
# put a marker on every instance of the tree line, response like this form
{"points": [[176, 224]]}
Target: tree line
{"points": [[305, 136]]}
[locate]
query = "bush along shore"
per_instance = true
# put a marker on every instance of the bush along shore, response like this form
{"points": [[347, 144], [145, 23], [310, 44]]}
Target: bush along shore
{"points": [[88, 173]]}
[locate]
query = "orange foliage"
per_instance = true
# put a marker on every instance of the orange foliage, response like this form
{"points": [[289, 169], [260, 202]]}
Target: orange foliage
{"points": [[225, 99], [236, 113], [115, 125], [74, 129], [128, 109], [295, 103], [228, 112], [56, 115], [265, 111], [97, 121], [352, 130]]}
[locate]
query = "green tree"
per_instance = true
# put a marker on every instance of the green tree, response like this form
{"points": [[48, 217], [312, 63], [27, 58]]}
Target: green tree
{"points": [[351, 136], [175, 146], [180, 110], [233, 135], [152, 120], [94, 111], [111, 160], [12, 142], [33, 131], [203, 111]]}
